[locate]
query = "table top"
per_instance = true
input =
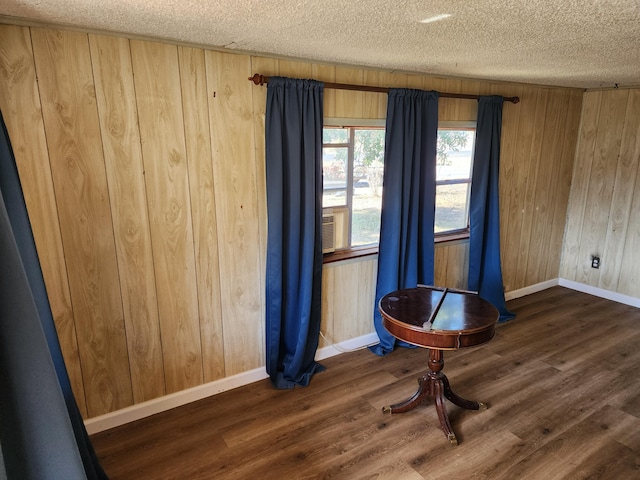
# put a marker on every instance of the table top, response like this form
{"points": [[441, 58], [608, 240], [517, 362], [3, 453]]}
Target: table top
{"points": [[438, 318]]}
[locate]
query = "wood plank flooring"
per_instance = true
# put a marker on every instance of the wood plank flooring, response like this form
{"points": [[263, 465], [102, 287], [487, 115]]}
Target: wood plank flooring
{"points": [[562, 382]]}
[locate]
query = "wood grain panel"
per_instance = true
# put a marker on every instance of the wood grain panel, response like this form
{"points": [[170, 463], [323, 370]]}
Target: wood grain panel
{"points": [[508, 164], [293, 69], [451, 267], [601, 181], [259, 100], [158, 98], [346, 316], [455, 107], [620, 213], [545, 182], [327, 73], [231, 121], [469, 110], [345, 309], [418, 82], [458, 266], [601, 216], [629, 275], [513, 194], [123, 163], [532, 159], [563, 187], [82, 196], [580, 182], [328, 302], [195, 110], [440, 261], [349, 103], [393, 80], [367, 276], [22, 113], [373, 104]]}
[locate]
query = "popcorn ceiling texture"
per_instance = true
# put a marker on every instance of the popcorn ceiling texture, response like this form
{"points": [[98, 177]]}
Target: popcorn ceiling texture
{"points": [[574, 43]]}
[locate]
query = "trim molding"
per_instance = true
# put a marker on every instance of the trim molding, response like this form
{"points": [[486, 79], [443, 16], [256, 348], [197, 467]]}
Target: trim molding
{"points": [[347, 346], [183, 397], [167, 402], [538, 287], [600, 292]]}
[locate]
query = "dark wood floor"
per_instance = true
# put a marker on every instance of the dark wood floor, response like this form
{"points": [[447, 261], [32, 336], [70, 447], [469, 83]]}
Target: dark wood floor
{"points": [[562, 382]]}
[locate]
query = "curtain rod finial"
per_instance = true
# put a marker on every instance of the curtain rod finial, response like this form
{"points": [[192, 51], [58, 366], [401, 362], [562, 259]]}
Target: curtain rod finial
{"points": [[258, 79]]}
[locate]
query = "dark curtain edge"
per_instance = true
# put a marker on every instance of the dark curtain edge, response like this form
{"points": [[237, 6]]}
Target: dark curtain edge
{"points": [[19, 228]]}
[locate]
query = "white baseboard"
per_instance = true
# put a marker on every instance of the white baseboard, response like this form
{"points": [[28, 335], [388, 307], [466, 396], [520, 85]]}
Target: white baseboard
{"points": [[167, 402], [600, 292], [538, 287], [347, 346]]}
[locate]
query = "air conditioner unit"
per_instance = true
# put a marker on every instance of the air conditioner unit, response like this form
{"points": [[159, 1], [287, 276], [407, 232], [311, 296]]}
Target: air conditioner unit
{"points": [[328, 233]]}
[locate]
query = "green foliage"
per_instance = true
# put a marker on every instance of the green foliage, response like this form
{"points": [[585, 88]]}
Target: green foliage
{"points": [[368, 147], [449, 140]]}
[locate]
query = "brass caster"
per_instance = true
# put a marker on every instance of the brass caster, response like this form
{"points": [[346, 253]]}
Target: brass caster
{"points": [[386, 409], [452, 439], [482, 406]]}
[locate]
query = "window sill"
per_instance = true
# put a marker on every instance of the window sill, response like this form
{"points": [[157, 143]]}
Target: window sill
{"points": [[459, 236], [350, 254], [453, 236]]}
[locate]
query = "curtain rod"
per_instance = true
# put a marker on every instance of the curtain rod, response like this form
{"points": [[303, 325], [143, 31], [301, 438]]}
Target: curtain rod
{"points": [[262, 79]]}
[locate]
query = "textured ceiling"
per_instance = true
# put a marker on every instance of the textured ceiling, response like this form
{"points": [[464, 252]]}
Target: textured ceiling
{"points": [[577, 43]]}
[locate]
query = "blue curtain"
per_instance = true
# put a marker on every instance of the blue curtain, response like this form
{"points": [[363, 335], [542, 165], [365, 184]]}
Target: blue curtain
{"points": [[293, 129], [485, 269], [405, 256], [41, 429]]}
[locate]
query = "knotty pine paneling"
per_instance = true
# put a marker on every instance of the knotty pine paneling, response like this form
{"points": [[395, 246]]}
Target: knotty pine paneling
{"points": [[82, 195], [143, 166], [535, 182], [345, 315], [193, 84], [160, 115], [113, 75], [241, 262], [563, 171], [605, 198], [22, 113]]}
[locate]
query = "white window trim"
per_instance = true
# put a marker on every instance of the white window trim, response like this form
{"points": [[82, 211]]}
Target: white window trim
{"points": [[381, 122]]}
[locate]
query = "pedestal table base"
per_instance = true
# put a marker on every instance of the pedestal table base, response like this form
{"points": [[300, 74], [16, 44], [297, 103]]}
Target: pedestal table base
{"points": [[435, 384]]}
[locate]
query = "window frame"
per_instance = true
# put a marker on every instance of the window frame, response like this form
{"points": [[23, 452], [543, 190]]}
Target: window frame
{"points": [[450, 237], [460, 233], [355, 124]]}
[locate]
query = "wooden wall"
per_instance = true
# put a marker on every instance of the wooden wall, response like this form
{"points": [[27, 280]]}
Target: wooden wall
{"points": [[143, 170], [603, 210]]}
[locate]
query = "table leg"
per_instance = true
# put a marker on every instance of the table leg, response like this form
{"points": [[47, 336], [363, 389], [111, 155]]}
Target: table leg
{"points": [[435, 384]]}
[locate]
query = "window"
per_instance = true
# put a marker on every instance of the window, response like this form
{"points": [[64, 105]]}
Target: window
{"points": [[454, 163], [353, 160], [353, 165]]}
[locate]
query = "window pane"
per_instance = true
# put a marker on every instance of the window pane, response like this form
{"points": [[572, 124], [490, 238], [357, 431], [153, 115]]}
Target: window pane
{"points": [[334, 167], [334, 198], [335, 135], [368, 165], [455, 150], [368, 159], [451, 207], [365, 223]]}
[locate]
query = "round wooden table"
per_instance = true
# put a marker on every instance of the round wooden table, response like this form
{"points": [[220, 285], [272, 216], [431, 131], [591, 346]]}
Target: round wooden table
{"points": [[438, 319]]}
